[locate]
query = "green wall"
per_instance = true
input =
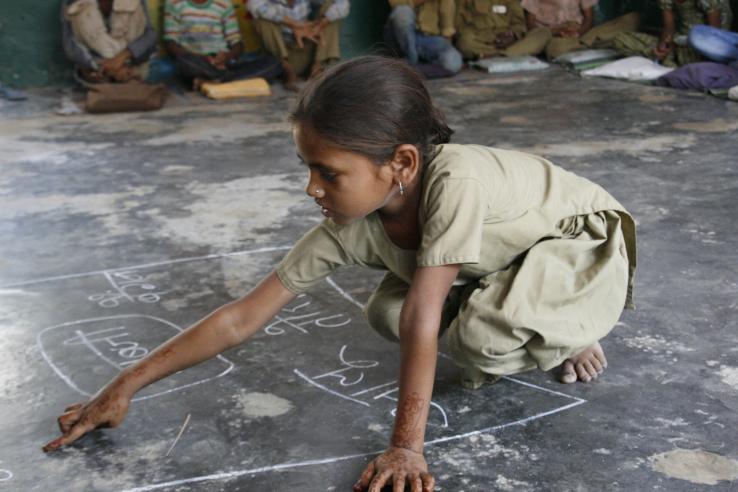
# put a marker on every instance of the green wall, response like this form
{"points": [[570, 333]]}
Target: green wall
{"points": [[30, 46]]}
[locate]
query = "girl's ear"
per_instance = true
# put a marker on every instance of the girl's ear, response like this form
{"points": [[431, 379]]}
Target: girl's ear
{"points": [[405, 162]]}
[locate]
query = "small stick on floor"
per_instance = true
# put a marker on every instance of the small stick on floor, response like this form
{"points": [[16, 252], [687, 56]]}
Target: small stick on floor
{"points": [[181, 431]]}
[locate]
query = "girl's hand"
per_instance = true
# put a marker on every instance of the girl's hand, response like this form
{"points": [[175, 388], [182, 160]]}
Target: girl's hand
{"points": [[107, 409], [396, 466]]}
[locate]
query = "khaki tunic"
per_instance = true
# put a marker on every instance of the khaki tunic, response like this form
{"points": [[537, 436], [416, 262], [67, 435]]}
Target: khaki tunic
{"points": [[434, 17], [548, 258]]}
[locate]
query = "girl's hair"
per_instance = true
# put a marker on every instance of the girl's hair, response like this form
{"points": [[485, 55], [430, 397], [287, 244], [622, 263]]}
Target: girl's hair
{"points": [[371, 105]]}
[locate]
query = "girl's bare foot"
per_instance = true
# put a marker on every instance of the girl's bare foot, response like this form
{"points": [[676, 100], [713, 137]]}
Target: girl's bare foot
{"points": [[585, 366]]}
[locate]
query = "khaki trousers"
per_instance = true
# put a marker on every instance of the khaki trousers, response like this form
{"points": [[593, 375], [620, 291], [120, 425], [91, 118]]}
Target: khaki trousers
{"points": [[642, 44], [300, 59], [598, 37], [475, 44]]}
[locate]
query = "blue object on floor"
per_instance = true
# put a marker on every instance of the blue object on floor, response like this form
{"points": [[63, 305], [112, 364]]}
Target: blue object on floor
{"points": [[12, 94], [161, 69]]}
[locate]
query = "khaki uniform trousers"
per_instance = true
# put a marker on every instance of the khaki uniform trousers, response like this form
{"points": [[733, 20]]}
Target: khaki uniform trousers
{"points": [[562, 296], [474, 44], [300, 59], [598, 37], [642, 44]]}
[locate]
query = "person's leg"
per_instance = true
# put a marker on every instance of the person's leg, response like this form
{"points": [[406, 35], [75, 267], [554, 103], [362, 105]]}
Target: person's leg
{"points": [[513, 321], [301, 59], [193, 67], [382, 310], [714, 44], [402, 24], [635, 44], [559, 46], [271, 39], [472, 46], [251, 65], [532, 44], [330, 48], [438, 50], [602, 36]]}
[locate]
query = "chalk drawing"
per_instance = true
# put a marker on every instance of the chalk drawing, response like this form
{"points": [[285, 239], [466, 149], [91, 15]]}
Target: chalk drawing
{"points": [[116, 345], [122, 348], [5, 475], [222, 476], [123, 283], [297, 319], [350, 374]]}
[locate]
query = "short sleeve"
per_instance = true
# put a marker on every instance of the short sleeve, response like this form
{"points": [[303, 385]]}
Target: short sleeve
{"points": [[454, 217], [313, 258]]}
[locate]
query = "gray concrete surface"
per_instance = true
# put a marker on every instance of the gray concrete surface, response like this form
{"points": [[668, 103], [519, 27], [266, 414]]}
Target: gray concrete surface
{"points": [[118, 230]]}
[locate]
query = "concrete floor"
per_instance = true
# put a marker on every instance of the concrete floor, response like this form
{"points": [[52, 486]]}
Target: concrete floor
{"points": [[118, 230]]}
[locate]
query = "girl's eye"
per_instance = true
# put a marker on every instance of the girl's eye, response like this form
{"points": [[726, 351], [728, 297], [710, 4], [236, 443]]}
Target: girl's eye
{"points": [[327, 175]]}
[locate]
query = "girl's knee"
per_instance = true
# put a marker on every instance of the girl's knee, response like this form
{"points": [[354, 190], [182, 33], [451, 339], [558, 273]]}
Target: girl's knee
{"points": [[383, 320]]}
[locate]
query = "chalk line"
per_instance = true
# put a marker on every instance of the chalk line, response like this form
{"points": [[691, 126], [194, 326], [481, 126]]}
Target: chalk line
{"points": [[146, 265], [335, 459], [309, 380], [181, 431]]}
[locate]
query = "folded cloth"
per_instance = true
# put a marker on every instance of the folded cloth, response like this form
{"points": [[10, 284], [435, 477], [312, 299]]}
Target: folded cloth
{"points": [[733, 93], [240, 88], [586, 56], [12, 94], [701, 76], [633, 68], [510, 64]]}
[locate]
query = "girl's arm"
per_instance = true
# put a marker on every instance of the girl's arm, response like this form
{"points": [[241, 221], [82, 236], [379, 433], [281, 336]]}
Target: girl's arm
{"points": [[420, 320], [224, 328]]}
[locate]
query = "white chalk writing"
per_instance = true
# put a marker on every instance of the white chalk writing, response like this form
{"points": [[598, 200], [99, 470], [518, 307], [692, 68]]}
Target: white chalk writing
{"points": [[127, 287], [124, 352], [301, 316], [353, 372]]}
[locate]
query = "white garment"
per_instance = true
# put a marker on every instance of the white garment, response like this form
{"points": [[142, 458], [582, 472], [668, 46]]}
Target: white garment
{"points": [[634, 68]]}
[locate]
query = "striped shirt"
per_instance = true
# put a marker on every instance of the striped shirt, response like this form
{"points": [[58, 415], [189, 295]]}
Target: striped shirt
{"points": [[204, 29], [299, 10]]}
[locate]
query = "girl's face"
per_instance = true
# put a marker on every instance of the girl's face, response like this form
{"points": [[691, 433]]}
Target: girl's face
{"points": [[347, 186]]}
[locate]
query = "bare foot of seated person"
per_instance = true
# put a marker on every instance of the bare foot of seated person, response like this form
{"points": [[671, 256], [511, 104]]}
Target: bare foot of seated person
{"points": [[586, 366], [289, 77]]}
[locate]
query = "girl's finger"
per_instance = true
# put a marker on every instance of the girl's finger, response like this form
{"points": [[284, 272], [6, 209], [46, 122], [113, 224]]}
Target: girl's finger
{"points": [[398, 484], [67, 420], [380, 481], [428, 482], [365, 478], [416, 484], [70, 408]]}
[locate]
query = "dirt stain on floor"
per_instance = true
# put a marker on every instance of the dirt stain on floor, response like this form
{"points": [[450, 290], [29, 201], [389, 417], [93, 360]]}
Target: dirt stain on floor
{"points": [[695, 465]]}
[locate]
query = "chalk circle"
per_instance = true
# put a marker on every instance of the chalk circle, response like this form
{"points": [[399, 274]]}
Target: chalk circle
{"points": [[112, 343], [5, 475]]}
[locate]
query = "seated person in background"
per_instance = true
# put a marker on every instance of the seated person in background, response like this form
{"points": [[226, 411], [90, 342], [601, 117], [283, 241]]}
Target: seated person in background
{"points": [[422, 30], [571, 21], [108, 40], [284, 26], [677, 18], [496, 28], [204, 38], [718, 45]]}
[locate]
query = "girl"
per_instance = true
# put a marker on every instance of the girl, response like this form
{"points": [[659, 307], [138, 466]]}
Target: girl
{"points": [[523, 264]]}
